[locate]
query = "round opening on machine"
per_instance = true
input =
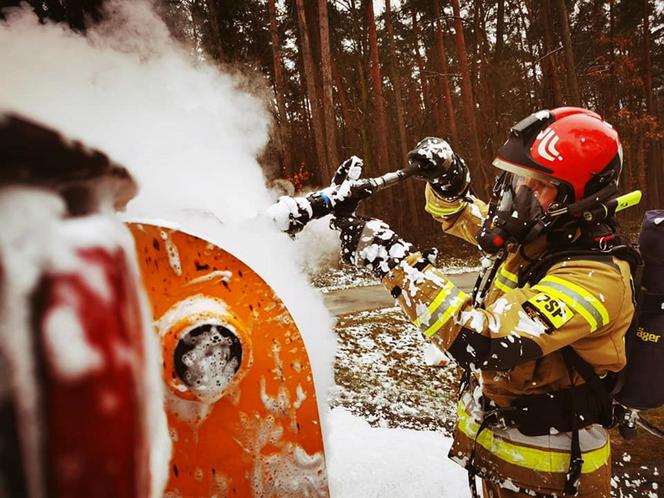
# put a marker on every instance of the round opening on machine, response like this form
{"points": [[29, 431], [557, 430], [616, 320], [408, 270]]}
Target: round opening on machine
{"points": [[207, 358]]}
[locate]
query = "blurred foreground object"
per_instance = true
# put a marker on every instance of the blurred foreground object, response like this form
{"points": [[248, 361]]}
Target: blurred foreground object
{"points": [[80, 395]]}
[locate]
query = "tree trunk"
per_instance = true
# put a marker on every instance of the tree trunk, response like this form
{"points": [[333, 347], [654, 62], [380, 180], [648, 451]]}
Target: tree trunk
{"points": [[213, 18], [436, 92], [549, 62], [527, 49], [349, 124], [498, 62], [312, 94], [641, 162], [361, 113], [467, 94], [444, 73], [382, 154], [408, 203], [487, 103], [396, 83], [574, 97], [647, 66], [416, 109], [424, 83], [328, 99], [194, 27], [613, 80], [283, 125], [500, 31]]}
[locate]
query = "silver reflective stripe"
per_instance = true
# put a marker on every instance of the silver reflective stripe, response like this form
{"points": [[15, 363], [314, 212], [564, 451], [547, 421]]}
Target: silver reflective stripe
{"points": [[576, 300], [506, 281], [444, 312]]}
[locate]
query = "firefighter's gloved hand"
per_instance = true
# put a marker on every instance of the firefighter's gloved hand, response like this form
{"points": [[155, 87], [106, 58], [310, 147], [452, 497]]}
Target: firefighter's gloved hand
{"points": [[441, 167], [347, 188], [370, 243], [291, 214]]}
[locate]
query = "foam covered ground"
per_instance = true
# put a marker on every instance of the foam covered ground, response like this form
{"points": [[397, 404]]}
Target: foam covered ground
{"points": [[366, 462]]}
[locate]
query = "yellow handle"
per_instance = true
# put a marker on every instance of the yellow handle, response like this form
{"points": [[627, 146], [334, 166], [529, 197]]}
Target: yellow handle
{"points": [[628, 200]]}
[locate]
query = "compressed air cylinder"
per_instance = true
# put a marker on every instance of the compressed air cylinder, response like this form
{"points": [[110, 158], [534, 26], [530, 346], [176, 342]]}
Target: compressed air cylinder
{"points": [[644, 374]]}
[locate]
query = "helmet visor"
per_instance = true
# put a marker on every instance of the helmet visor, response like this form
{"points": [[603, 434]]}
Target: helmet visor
{"points": [[526, 197]]}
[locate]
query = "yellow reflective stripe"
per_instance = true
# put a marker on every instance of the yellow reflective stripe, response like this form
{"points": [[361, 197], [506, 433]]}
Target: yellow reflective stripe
{"points": [[508, 274], [577, 298], [443, 211], [539, 460], [506, 280], [571, 302], [435, 304], [453, 303], [502, 286]]}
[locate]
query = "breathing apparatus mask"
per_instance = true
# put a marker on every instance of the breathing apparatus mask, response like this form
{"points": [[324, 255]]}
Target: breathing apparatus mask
{"points": [[522, 207]]}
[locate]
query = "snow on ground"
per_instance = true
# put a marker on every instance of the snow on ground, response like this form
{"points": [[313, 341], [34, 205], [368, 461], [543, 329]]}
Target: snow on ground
{"points": [[381, 373], [348, 276], [391, 412]]}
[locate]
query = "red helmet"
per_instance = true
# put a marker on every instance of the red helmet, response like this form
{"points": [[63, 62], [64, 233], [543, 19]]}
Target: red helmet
{"points": [[554, 162], [571, 147]]}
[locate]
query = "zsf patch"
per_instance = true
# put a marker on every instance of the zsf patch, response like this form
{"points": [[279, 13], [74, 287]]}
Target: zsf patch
{"points": [[553, 312]]}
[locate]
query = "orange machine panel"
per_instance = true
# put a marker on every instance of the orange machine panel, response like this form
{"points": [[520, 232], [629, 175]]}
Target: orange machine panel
{"points": [[240, 395]]}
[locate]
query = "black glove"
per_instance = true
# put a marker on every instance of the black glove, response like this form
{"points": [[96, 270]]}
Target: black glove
{"points": [[370, 243], [441, 167], [347, 189]]}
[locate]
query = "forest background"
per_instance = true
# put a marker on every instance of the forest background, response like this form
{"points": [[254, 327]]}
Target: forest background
{"points": [[371, 78]]}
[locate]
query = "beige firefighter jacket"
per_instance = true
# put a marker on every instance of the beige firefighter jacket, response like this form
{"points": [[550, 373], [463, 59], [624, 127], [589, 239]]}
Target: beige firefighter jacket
{"points": [[513, 347]]}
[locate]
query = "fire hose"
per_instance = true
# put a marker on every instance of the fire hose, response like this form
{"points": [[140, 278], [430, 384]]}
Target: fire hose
{"points": [[291, 215]]}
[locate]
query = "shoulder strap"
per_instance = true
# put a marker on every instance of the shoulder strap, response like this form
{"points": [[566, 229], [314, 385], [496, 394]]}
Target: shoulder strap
{"points": [[535, 272], [622, 250], [574, 362], [603, 392]]}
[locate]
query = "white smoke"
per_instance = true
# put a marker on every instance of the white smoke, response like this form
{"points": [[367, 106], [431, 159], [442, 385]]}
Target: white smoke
{"points": [[182, 127], [185, 130]]}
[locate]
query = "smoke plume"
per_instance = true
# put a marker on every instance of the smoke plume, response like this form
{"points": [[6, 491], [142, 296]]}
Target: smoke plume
{"points": [[185, 130]]}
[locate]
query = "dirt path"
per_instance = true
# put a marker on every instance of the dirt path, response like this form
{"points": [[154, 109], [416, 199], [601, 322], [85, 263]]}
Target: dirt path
{"points": [[343, 301]]}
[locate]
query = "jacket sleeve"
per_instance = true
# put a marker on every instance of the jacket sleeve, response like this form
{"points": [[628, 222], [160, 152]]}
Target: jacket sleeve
{"points": [[462, 218], [575, 301]]}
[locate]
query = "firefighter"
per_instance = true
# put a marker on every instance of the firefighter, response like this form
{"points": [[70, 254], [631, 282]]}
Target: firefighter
{"points": [[543, 335]]}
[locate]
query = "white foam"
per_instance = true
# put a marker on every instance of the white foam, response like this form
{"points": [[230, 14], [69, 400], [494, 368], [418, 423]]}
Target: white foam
{"points": [[185, 130]]}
